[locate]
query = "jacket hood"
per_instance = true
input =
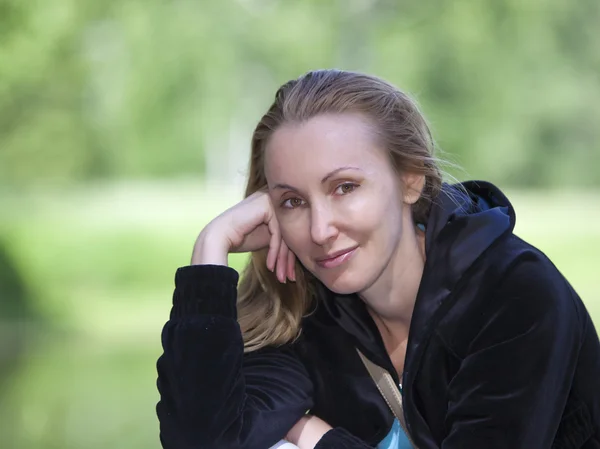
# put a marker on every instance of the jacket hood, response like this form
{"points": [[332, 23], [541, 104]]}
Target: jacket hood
{"points": [[468, 211], [465, 220]]}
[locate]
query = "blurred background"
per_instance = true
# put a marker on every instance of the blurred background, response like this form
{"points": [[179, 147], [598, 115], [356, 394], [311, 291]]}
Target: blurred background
{"points": [[125, 126]]}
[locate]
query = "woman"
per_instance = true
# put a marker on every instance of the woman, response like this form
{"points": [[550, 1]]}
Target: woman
{"points": [[357, 244]]}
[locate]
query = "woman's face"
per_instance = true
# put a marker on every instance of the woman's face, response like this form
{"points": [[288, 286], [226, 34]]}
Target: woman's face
{"points": [[338, 200]]}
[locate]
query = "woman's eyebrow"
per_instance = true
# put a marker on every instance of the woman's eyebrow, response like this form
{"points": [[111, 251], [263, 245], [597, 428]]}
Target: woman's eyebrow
{"points": [[333, 172], [323, 181]]}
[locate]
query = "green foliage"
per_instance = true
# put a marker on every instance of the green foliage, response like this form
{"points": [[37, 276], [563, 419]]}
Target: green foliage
{"points": [[122, 89], [15, 303]]}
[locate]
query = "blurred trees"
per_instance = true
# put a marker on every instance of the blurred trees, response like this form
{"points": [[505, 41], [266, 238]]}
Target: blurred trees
{"points": [[15, 310], [15, 303], [156, 88]]}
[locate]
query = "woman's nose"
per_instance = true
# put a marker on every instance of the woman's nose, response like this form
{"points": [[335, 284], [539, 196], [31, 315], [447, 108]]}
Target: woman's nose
{"points": [[322, 227]]}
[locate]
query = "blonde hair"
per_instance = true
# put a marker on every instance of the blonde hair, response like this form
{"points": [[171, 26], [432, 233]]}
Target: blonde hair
{"points": [[270, 313]]}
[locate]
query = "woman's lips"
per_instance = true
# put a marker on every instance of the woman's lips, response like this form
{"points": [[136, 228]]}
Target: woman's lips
{"points": [[336, 261]]}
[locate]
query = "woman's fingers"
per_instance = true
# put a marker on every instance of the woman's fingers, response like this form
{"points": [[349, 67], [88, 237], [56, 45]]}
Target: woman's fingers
{"points": [[286, 264], [274, 246], [291, 266], [282, 259], [273, 253]]}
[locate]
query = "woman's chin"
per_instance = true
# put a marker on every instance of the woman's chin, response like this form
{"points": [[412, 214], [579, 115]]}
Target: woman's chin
{"points": [[344, 285], [343, 291]]}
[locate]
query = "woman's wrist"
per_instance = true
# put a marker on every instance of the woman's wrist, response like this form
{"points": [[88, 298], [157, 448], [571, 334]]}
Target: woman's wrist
{"points": [[209, 249], [307, 432]]}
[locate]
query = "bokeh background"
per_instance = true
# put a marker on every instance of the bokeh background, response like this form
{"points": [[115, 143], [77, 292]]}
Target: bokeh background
{"points": [[125, 127]]}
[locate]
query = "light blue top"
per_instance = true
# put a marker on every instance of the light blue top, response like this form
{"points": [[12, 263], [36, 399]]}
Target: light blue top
{"points": [[396, 439]]}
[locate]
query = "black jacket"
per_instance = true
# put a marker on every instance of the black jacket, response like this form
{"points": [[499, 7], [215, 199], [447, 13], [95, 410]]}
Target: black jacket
{"points": [[501, 352]]}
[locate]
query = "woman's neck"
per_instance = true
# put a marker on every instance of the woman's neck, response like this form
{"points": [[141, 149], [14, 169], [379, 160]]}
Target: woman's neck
{"points": [[391, 299]]}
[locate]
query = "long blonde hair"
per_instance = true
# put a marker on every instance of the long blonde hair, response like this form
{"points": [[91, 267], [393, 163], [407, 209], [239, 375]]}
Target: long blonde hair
{"points": [[269, 312]]}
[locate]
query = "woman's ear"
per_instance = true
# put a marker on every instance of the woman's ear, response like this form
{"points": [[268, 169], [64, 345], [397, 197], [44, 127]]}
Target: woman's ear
{"points": [[413, 186]]}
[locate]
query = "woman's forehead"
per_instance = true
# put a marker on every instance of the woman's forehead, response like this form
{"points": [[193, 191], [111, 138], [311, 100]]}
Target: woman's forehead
{"points": [[326, 141], [309, 167]]}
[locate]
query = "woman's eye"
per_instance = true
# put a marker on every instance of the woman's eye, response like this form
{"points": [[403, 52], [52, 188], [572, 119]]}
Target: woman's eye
{"points": [[292, 203], [345, 188]]}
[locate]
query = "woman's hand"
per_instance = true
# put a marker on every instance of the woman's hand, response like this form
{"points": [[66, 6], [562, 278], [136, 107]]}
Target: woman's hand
{"points": [[250, 225], [307, 432]]}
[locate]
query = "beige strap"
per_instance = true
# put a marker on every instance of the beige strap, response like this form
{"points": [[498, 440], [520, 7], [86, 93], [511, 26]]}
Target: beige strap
{"points": [[387, 387]]}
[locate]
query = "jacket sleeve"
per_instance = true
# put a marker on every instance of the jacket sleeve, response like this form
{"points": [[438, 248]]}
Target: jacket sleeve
{"points": [[340, 438], [212, 395], [514, 379]]}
